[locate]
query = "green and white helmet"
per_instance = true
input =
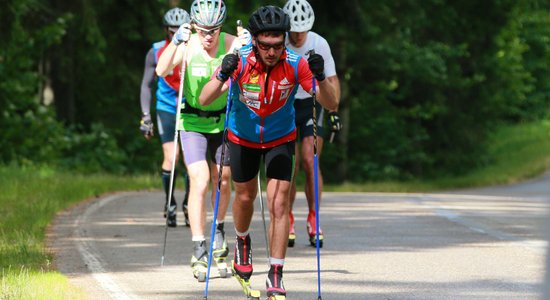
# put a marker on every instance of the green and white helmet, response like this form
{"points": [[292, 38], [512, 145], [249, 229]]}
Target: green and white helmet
{"points": [[301, 15], [208, 13], [176, 17]]}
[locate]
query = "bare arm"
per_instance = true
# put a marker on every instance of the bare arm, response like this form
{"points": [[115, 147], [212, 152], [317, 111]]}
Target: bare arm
{"points": [[211, 91], [327, 95], [335, 82], [147, 81], [170, 57]]}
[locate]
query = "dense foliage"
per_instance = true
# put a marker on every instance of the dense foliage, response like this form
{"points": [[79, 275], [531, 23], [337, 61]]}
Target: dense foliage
{"points": [[423, 82]]}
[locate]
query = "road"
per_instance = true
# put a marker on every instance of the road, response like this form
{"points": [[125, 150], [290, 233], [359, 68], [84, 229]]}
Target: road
{"points": [[471, 244]]}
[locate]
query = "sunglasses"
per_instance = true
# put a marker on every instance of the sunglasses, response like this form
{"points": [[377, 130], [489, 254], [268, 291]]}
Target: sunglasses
{"points": [[173, 29], [266, 46], [205, 32]]}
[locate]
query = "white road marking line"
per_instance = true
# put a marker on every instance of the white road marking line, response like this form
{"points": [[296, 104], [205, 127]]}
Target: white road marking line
{"points": [[91, 257]]}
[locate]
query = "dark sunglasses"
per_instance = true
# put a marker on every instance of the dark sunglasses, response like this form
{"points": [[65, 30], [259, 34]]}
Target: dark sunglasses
{"points": [[266, 46]]}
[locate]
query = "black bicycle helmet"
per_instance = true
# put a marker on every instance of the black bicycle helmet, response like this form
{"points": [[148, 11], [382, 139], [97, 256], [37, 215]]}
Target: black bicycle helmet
{"points": [[268, 18]]}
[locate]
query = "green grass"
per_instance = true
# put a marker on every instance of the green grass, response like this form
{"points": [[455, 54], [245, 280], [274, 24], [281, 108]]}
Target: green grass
{"points": [[517, 153], [31, 197], [29, 200]]}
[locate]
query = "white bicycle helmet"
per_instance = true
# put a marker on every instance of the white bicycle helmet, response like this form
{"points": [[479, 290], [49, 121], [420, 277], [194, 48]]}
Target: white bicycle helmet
{"points": [[301, 15], [176, 17], [208, 13]]}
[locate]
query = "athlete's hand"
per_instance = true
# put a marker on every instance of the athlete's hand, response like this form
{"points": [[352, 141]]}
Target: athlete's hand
{"points": [[146, 126], [334, 122], [229, 64], [317, 66], [182, 35]]}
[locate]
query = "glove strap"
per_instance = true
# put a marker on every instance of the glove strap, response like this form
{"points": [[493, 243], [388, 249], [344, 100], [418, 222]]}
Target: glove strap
{"points": [[222, 77]]}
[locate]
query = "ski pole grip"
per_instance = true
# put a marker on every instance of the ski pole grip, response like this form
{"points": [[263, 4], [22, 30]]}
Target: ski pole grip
{"points": [[239, 26]]}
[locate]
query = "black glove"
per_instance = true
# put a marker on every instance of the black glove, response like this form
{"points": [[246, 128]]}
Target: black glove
{"points": [[146, 126], [317, 66], [229, 64], [334, 122]]}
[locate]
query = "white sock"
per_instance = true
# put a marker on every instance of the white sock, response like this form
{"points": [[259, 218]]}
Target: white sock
{"points": [[276, 261], [198, 238], [241, 233]]}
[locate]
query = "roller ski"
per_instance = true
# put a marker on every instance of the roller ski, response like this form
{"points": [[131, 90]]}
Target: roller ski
{"points": [[199, 261], [220, 251], [242, 266], [312, 232], [248, 291], [291, 231], [274, 283]]}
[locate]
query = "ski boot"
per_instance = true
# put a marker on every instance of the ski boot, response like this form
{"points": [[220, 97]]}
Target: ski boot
{"points": [[312, 232], [291, 232], [199, 260], [220, 250], [274, 283], [242, 266], [170, 214]]}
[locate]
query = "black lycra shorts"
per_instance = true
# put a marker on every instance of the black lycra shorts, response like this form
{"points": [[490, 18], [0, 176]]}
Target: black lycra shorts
{"points": [[245, 162]]}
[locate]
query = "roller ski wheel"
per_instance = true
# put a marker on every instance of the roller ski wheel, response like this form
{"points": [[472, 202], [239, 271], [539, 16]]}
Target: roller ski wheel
{"points": [[248, 291], [223, 269], [199, 269]]}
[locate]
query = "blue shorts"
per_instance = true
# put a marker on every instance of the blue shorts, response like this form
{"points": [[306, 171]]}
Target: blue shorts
{"points": [[198, 146], [166, 126]]}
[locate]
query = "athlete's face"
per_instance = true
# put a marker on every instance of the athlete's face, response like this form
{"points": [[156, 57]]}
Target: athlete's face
{"points": [[170, 30], [297, 39], [270, 47], [208, 36]]}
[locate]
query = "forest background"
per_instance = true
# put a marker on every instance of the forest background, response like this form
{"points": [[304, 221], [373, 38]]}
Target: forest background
{"points": [[425, 83]]}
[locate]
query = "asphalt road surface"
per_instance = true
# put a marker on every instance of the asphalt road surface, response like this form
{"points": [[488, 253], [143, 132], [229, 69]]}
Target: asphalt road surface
{"points": [[473, 244]]}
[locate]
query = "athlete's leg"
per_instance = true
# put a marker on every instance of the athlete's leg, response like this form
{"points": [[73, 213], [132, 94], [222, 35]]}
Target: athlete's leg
{"points": [[195, 146], [278, 203], [309, 170]]}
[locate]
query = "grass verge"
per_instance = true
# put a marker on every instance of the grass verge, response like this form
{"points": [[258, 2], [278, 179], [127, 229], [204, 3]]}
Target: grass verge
{"points": [[29, 200]]}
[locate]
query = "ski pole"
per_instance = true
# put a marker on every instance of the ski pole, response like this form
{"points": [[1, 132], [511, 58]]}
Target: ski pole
{"points": [[220, 172], [263, 218], [316, 184], [176, 131]]}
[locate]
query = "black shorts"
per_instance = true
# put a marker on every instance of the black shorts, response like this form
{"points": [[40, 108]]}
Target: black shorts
{"points": [[245, 162], [304, 117], [166, 125]]}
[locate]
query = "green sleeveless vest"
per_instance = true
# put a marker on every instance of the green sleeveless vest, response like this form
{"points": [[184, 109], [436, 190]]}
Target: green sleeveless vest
{"points": [[198, 72]]}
